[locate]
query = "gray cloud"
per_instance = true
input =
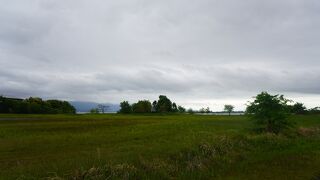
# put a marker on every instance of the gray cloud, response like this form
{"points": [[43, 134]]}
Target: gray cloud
{"points": [[199, 52]]}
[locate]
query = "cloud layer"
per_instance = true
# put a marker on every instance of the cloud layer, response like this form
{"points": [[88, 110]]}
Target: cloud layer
{"points": [[200, 53]]}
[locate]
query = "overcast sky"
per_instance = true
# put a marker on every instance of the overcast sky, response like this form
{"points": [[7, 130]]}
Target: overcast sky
{"points": [[199, 53]]}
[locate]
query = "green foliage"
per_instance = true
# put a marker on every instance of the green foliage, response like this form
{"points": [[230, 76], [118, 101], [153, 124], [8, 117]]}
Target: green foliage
{"points": [[315, 110], [181, 109], [59, 107], [125, 107], [204, 110], [270, 112], [94, 111], [174, 107], [154, 106], [164, 104], [142, 106], [298, 108], [190, 111], [102, 108], [35, 105], [229, 108]]}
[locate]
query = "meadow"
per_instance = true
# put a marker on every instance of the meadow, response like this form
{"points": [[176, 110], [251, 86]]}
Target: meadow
{"points": [[113, 146]]}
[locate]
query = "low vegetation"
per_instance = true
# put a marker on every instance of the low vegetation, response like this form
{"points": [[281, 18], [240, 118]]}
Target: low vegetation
{"points": [[155, 147], [163, 144]]}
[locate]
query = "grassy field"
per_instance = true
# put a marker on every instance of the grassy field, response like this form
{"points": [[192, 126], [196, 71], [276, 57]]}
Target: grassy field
{"points": [[155, 147]]}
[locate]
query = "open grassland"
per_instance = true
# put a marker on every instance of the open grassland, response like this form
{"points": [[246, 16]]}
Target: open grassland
{"points": [[155, 147]]}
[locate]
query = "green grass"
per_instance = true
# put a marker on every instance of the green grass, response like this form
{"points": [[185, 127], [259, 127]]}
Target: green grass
{"points": [[155, 147]]}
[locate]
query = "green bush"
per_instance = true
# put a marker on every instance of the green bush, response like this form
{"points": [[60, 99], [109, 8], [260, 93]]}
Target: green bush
{"points": [[269, 112]]}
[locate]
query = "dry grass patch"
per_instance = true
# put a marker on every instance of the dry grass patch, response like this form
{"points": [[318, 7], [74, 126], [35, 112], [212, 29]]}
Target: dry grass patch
{"points": [[303, 131]]}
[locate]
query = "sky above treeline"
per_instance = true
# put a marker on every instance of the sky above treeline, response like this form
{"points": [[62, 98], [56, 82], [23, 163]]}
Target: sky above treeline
{"points": [[198, 53]]}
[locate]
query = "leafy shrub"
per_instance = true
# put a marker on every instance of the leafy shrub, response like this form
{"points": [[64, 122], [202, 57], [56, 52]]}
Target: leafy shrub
{"points": [[270, 112]]}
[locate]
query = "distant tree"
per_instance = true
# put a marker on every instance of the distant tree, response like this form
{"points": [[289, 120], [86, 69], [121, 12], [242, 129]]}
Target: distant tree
{"points": [[181, 109], [164, 104], [11, 105], [269, 112], [102, 108], [125, 107], [202, 110], [59, 107], [22, 107], [3, 105], [228, 108], [298, 108], [315, 110], [174, 107], [190, 111], [154, 106], [94, 111], [68, 108], [55, 106], [142, 106], [35, 105]]}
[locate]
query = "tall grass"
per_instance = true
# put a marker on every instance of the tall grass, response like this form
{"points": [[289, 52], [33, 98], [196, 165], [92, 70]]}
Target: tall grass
{"points": [[155, 147]]}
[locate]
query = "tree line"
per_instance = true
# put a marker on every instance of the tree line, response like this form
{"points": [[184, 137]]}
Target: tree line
{"points": [[300, 108], [35, 105], [162, 105]]}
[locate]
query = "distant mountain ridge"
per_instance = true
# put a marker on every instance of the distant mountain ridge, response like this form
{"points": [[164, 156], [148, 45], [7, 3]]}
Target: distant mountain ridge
{"points": [[83, 106]]}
